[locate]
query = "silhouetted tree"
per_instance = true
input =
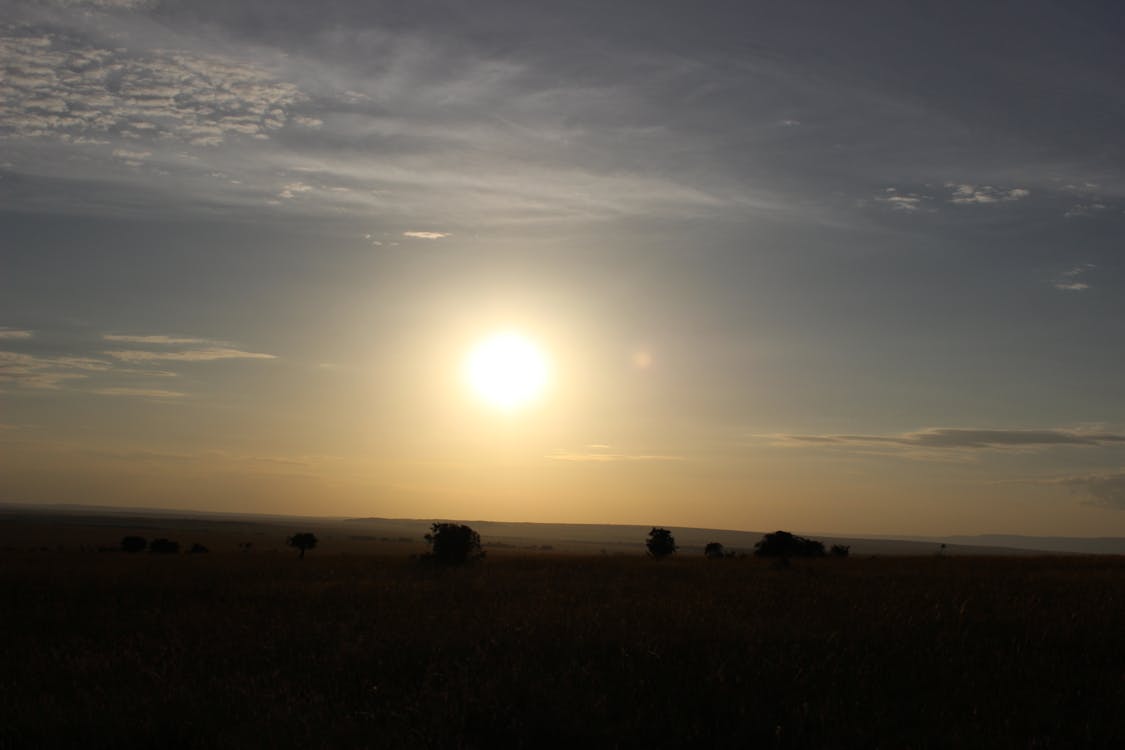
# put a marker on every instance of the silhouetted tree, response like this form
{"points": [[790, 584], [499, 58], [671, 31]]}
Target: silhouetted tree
{"points": [[453, 543], [197, 549], [840, 550], [660, 543], [163, 547], [714, 551], [783, 544], [133, 544], [303, 541]]}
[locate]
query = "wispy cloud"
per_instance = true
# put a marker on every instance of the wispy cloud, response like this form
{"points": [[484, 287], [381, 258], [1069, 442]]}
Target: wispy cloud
{"points": [[1084, 209], [79, 91], [965, 193], [1105, 490], [426, 235], [10, 334], [964, 438], [33, 371], [156, 339], [155, 393], [188, 355], [1068, 281], [909, 202], [605, 454]]}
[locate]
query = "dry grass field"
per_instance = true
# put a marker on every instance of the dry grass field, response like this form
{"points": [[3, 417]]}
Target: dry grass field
{"points": [[251, 650]]}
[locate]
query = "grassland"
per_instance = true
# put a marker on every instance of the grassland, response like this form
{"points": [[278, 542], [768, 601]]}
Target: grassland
{"points": [[250, 650]]}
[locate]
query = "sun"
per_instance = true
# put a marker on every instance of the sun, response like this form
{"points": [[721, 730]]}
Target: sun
{"points": [[507, 371]]}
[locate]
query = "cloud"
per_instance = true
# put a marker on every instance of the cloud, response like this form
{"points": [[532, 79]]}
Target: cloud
{"points": [[964, 193], [70, 88], [1084, 209], [951, 438], [599, 454], [426, 235], [188, 355], [10, 334], [356, 121], [1105, 490], [139, 392], [290, 190], [115, 4], [1068, 280], [900, 202], [155, 339], [33, 371]]}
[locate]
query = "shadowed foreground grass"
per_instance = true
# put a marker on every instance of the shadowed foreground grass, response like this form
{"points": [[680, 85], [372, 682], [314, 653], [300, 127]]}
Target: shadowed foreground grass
{"points": [[104, 650]]}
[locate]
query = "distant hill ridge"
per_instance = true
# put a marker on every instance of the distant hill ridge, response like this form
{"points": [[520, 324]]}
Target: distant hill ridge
{"points": [[594, 538]]}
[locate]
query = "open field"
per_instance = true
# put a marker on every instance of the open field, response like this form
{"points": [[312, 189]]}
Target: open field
{"points": [[346, 650]]}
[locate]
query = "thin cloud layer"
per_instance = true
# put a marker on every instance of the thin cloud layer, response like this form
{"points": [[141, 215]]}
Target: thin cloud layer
{"points": [[208, 354], [154, 393], [155, 339], [1068, 281], [605, 454], [33, 371], [14, 334], [76, 91], [1104, 490], [426, 235], [965, 438], [965, 193]]}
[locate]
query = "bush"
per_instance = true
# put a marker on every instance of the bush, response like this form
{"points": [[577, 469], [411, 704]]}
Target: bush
{"points": [[714, 551], [453, 543], [133, 544], [164, 547], [783, 544], [840, 550], [660, 543]]}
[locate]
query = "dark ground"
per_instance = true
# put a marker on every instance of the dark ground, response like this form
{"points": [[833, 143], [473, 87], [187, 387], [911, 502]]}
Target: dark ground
{"points": [[249, 650]]}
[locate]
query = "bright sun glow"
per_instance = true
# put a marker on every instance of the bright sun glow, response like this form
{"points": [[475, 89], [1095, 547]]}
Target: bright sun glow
{"points": [[507, 371]]}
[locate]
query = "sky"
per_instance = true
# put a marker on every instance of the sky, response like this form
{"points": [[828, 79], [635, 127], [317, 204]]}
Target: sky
{"points": [[820, 266]]}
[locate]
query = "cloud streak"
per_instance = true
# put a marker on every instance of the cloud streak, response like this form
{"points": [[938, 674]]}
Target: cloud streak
{"points": [[966, 194], [426, 235], [154, 393], [956, 438], [32, 371], [1068, 281], [603, 454], [1104, 490], [209, 354], [155, 339]]}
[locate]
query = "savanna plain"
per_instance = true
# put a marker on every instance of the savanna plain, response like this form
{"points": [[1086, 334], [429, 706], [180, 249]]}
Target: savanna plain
{"points": [[379, 649]]}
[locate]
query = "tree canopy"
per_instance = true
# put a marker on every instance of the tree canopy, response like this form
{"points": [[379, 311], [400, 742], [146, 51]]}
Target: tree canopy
{"points": [[453, 543], [303, 541], [660, 543]]}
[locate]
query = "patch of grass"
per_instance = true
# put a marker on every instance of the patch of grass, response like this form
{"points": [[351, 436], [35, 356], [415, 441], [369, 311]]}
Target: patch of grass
{"points": [[249, 650]]}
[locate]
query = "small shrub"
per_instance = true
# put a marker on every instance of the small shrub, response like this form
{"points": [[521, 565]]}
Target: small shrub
{"points": [[133, 544], [840, 550], [164, 547], [714, 551], [783, 544]]}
